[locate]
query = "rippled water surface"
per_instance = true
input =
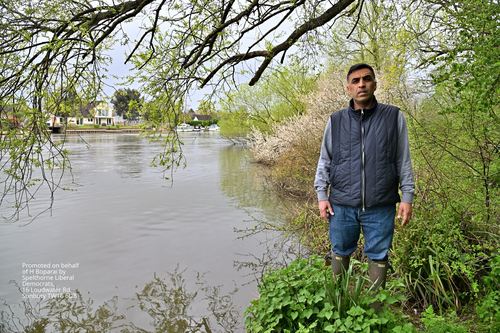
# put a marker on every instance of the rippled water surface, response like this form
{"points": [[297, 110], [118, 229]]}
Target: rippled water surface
{"points": [[155, 256]]}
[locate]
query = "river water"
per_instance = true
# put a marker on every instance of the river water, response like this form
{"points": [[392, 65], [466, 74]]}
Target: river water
{"points": [[126, 250]]}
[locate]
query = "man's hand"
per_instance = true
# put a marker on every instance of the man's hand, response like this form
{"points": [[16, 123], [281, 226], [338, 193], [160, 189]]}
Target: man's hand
{"points": [[324, 209], [405, 210]]}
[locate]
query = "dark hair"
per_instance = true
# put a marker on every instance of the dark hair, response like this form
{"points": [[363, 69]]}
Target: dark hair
{"points": [[359, 66]]}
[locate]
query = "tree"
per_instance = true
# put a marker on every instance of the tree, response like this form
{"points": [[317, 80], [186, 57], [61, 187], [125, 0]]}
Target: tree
{"points": [[385, 37], [127, 103], [466, 92], [200, 39], [274, 99], [206, 108], [183, 45], [62, 103]]}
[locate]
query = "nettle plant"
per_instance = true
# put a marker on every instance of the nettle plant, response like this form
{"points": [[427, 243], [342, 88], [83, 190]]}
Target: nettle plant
{"points": [[304, 297]]}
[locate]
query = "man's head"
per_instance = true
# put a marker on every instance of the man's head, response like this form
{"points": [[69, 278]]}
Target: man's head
{"points": [[359, 66], [361, 85]]}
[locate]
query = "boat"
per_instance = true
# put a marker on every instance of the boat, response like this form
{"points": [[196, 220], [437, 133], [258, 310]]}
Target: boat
{"points": [[184, 128], [213, 127]]}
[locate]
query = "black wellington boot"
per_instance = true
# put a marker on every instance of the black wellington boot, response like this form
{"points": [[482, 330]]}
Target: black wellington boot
{"points": [[377, 270], [338, 263]]}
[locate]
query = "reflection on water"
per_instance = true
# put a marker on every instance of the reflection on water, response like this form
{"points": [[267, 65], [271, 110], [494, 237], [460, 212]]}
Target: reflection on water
{"points": [[241, 179], [166, 304], [128, 157]]}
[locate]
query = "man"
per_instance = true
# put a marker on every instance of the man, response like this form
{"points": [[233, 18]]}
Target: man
{"points": [[365, 155]]}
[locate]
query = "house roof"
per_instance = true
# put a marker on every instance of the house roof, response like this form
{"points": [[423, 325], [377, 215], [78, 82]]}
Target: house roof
{"points": [[201, 117], [84, 110]]}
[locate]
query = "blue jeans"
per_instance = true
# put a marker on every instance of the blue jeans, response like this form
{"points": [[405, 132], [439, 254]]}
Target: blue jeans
{"points": [[376, 223]]}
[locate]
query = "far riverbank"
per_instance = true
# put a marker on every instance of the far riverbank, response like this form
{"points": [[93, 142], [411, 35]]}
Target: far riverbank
{"points": [[102, 130]]}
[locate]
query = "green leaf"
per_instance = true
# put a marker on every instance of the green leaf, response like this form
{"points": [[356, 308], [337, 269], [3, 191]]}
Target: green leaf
{"points": [[356, 311], [307, 313]]}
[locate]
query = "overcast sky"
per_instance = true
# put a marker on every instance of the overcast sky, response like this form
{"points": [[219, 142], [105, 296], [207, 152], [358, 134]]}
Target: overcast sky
{"points": [[119, 68]]}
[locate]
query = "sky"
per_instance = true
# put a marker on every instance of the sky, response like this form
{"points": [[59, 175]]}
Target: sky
{"points": [[119, 68]]}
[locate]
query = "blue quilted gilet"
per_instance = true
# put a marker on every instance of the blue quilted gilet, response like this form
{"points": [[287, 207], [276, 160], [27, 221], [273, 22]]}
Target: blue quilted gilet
{"points": [[363, 171]]}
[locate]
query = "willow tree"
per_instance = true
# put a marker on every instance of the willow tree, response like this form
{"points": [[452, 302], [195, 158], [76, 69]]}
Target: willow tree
{"points": [[385, 37], [274, 99], [466, 95], [48, 47]]}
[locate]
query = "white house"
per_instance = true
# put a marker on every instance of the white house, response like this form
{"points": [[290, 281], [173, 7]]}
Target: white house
{"points": [[103, 114], [93, 113]]}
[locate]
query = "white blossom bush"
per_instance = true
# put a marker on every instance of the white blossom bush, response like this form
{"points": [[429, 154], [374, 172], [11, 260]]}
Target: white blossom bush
{"points": [[268, 148]]}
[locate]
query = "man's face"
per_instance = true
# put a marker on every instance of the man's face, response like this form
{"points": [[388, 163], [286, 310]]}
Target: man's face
{"points": [[361, 87]]}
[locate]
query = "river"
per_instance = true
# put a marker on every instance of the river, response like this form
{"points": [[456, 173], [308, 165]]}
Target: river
{"points": [[126, 250]]}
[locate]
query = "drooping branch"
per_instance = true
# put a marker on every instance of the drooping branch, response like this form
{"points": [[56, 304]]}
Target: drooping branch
{"points": [[269, 55], [48, 47], [299, 32]]}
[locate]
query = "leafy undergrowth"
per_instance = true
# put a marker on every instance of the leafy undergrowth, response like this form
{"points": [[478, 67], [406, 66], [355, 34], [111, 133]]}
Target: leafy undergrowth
{"points": [[304, 297]]}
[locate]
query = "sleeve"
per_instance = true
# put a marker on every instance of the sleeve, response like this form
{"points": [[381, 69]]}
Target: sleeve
{"points": [[322, 179], [404, 165]]}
